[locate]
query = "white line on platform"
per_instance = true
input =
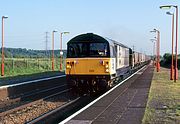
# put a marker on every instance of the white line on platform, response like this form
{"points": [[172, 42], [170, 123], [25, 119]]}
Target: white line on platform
{"points": [[28, 82], [90, 104]]}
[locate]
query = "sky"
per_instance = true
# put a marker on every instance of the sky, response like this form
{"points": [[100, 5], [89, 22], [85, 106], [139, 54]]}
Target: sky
{"points": [[126, 21]]}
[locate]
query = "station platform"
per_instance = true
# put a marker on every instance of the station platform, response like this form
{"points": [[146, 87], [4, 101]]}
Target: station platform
{"points": [[24, 79], [126, 104]]}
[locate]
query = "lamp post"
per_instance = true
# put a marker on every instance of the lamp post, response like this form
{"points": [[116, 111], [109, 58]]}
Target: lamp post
{"points": [[157, 49], [153, 41], [172, 59], [2, 51], [53, 49], [176, 47], [61, 52]]}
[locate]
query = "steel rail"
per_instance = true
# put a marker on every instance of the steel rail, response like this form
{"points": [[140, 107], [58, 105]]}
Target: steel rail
{"points": [[38, 119], [32, 103]]}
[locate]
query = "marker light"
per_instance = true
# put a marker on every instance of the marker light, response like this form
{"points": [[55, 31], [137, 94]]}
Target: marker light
{"points": [[107, 70]]}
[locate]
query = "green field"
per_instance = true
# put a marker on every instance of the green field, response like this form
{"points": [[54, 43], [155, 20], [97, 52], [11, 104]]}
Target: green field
{"points": [[163, 105], [24, 66]]}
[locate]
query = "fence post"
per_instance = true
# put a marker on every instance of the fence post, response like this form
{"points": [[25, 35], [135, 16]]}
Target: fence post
{"points": [[49, 63], [38, 64], [13, 64], [26, 60]]}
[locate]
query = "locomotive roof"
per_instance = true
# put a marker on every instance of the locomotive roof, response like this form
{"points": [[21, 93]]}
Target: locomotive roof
{"points": [[89, 37], [115, 42]]}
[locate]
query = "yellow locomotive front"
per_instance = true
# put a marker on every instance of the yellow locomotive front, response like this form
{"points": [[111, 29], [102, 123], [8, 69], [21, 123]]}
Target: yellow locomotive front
{"points": [[89, 67]]}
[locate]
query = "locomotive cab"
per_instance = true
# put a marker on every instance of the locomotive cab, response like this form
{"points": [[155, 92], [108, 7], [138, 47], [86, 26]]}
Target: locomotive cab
{"points": [[88, 63]]}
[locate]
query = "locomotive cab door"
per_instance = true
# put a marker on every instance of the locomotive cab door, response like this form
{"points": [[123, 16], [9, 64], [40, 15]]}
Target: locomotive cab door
{"points": [[116, 55]]}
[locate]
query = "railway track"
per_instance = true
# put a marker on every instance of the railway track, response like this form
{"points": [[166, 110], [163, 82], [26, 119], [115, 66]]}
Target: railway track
{"points": [[34, 109], [62, 112], [45, 117], [39, 95], [27, 98]]}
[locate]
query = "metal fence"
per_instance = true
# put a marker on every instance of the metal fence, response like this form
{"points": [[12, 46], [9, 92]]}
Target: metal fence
{"points": [[20, 66]]}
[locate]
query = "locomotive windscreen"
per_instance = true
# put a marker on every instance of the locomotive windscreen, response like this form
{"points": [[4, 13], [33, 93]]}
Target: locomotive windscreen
{"points": [[88, 49]]}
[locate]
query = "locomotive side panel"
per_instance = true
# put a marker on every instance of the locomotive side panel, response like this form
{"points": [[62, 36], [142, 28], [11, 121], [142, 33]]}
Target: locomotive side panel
{"points": [[122, 59], [136, 58]]}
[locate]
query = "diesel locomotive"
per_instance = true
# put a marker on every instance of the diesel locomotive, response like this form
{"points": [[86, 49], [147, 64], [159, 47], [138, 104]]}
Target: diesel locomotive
{"points": [[93, 62]]}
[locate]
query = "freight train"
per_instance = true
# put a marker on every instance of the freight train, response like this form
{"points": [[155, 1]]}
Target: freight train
{"points": [[94, 62]]}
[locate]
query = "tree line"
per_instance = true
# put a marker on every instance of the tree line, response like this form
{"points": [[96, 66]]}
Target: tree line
{"points": [[167, 58], [30, 53]]}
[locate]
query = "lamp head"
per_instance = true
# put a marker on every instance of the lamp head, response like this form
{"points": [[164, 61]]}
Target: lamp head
{"points": [[169, 13], [4, 17], [153, 31], [55, 31], [66, 32], [167, 6]]}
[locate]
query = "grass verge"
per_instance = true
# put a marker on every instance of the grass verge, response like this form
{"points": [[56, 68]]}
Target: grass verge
{"points": [[163, 101], [28, 66]]}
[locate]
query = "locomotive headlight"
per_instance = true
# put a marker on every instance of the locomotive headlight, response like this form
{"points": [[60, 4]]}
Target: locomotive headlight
{"points": [[107, 66], [107, 70], [68, 66]]}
